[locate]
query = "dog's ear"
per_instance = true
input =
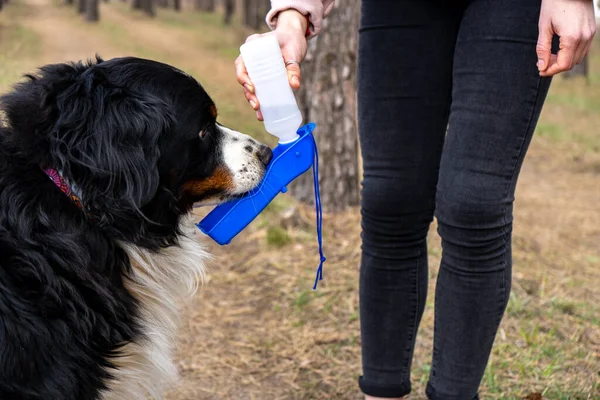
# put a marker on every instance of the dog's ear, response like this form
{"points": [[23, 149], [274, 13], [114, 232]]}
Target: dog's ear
{"points": [[29, 111], [106, 141]]}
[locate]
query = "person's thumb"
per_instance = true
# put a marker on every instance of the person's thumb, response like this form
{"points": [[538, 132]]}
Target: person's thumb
{"points": [[544, 44], [293, 72]]}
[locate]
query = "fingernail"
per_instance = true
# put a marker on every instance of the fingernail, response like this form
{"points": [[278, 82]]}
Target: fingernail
{"points": [[540, 64], [257, 115], [253, 103], [248, 87], [295, 80]]}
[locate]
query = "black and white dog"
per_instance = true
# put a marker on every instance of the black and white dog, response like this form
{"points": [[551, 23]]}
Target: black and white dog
{"points": [[101, 164]]}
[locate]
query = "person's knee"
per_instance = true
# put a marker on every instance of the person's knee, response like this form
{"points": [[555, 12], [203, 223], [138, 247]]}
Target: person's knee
{"points": [[469, 211], [475, 229], [395, 212]]}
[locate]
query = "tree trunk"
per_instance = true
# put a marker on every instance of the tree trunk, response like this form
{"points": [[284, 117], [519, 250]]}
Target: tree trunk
{"points": [[1, 4], [246, 11], [262, 8], [229, 11], [81, 5], [162, 3], [251, 11], [146, 6], [258, 11], [91, 11], [177, 5], [205, 5], [328, 98]]}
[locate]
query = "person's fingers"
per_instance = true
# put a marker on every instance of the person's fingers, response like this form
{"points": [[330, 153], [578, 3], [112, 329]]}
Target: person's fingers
{"points": [[579, 53], [294, 73], [252, 99], [586, 51], [580, 50], [565, 58], [585, 45], [292, 68], [240, 68], [244, 80], [255, 36], [544, 44], [242, 75]]}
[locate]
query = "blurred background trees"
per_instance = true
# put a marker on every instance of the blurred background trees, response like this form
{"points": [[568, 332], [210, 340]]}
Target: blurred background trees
{"points": [[326, 98], [252, 12], [328, 93], [147, 6]]}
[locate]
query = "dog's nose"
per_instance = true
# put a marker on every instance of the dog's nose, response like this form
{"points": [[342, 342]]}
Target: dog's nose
{"points": [[264, 154]]}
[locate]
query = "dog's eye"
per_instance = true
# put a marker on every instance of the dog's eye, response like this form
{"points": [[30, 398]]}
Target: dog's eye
{"points": [[203, 133]]}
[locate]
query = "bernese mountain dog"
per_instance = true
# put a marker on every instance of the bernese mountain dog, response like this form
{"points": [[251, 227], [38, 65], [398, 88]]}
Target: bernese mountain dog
{"points": [[101, 164]]}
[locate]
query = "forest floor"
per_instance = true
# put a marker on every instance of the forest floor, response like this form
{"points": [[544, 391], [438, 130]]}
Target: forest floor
{"points": [[256, 330]]}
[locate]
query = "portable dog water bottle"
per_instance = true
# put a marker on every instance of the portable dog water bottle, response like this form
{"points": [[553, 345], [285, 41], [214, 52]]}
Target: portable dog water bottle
{"points": [[295, 153], [289, 161]]}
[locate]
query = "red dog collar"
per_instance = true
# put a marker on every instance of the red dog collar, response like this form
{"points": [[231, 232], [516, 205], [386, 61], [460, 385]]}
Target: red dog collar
{"points": [[59, 181]]}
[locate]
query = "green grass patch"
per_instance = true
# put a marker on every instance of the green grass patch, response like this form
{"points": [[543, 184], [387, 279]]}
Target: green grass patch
{"points": [[302, 299], [565, 306], [279, 204], [277, 237], [550, 131], [589, 102], [570, 114]]}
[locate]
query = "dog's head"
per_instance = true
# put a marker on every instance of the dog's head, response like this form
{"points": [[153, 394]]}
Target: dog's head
{"points": [[137, 139]]}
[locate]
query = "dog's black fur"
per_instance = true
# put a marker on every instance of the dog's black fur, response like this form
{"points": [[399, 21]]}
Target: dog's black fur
{"points": [[125, 132]]}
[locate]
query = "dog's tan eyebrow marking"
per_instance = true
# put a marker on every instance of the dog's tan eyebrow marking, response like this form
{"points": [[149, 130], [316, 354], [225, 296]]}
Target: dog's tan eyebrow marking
{"points": [[213, 111]]}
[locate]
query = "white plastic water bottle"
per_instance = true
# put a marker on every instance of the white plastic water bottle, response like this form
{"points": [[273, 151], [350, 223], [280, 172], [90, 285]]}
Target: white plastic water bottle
{"points": [[267, 72]]}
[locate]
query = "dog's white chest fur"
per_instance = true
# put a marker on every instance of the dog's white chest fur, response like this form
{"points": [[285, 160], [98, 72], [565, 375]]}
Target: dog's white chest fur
{"points": [[160, 282]]}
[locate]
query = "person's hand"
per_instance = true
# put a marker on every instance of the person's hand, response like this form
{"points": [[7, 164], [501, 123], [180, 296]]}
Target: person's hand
{"points": [[575, 23], [290, 32]]}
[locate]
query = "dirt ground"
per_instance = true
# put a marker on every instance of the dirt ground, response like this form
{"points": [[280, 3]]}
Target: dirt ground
{"points": [[256, 330]]}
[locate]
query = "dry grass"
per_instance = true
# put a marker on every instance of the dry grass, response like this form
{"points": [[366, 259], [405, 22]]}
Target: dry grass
{"points": [[256, 330]]}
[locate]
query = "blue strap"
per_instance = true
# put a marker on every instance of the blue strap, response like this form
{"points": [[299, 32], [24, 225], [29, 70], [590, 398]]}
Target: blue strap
{"points": [[319, 213]]}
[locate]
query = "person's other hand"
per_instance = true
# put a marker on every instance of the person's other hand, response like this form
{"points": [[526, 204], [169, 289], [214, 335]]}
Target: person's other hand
{"points": [[290, 32], [574, 22]]}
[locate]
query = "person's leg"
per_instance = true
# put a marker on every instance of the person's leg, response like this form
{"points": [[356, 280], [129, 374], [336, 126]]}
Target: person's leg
{"points": [[404, 86], [497, 99]]}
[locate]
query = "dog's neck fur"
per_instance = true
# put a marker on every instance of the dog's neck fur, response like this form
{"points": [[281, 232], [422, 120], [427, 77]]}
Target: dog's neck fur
{"points": [[160, 282]]}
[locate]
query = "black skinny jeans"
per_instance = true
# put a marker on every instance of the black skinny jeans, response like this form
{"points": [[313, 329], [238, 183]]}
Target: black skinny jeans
{"points": [[426, 66]]}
